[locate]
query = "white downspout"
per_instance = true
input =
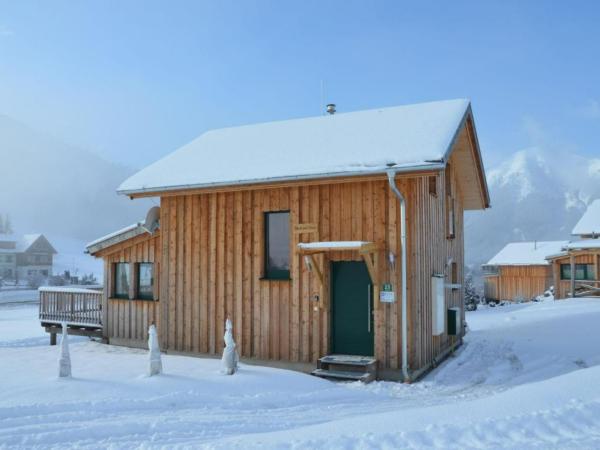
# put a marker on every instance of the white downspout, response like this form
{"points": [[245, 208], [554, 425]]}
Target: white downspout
{"points": [[392, 182]]}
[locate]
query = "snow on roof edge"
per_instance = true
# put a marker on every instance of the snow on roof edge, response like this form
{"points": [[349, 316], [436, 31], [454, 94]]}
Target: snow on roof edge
{"points": [[433, 165]]}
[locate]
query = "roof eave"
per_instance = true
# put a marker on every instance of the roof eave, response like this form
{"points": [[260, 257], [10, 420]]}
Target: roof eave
{"points": [[427, 166], [99, 246]]}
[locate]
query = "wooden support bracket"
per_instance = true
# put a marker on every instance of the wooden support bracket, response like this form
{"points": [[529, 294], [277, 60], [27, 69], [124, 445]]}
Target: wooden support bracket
{"points": [[372, 262], [314, 267]]}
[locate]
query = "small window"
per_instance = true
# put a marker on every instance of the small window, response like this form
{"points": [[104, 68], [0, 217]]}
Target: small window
{"points": [[277, 245], [122, 281], [450, 206], [145, 277], [582, 271], [433, 186], [454, 273]]}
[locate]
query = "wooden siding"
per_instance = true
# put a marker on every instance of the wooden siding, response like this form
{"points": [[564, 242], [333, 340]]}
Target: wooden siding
{"points": [[514, 283], [127, 321], [212, 267], [563, 287]]}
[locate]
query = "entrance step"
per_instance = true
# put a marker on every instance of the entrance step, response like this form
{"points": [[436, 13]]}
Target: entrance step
{"points": [[343, 375], [347, 367]]}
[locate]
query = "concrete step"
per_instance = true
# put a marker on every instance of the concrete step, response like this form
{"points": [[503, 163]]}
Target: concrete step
{"points": [[348, 360], [344, 375]]}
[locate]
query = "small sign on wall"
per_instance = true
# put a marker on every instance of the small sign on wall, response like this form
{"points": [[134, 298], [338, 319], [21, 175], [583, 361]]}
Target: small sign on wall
{"points": [[386, 295]]}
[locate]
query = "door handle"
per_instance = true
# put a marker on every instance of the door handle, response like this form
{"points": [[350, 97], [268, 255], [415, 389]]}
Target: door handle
{"points": [[369, 308]]}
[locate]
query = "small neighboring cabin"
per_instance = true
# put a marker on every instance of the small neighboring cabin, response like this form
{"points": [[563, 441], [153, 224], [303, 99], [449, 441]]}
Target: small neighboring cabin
{"points": [[520, 271], [297, 231], [24, 257], [575, 267]]}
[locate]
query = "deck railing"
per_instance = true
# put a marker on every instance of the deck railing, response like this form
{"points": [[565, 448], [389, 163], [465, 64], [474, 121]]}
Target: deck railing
{"points": [[587, 288], [81, 307]]}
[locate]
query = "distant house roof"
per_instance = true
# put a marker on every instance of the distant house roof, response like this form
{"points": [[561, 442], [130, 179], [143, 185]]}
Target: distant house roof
{"points": [[526, 253], [28, 240], [589, 224], [116, 237], [406, 138], [25, 242]]}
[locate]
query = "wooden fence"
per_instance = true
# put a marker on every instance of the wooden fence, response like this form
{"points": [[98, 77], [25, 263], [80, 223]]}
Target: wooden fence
{"points": [[80, 307]]}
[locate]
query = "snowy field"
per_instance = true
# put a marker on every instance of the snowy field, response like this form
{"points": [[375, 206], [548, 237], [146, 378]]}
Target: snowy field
{"points": [[528, 377], [12, 295]]}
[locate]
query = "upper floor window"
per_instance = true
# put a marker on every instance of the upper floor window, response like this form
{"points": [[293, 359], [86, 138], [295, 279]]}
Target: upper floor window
{"points": [[450, 205], [121, 280], [432, 180], [145, 279], [277, 245]]}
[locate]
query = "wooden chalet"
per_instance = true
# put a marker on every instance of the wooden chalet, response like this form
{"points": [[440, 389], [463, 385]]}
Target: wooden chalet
{"points": [[520, 271], [576, 268], [334, 241]]}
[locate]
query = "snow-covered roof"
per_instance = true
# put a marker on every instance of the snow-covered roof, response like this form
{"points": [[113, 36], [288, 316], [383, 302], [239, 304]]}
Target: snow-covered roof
{"points": [[23, 243], [589, 224], [410, 137], [526, 253], [27, 241], [116, 237], [583, 244]]}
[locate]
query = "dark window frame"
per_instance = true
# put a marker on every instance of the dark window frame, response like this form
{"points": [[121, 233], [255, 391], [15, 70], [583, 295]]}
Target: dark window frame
{"points": [[268, 273], [588, 269], [114, 284], [432, 180], [138, 278], [450, 205]]}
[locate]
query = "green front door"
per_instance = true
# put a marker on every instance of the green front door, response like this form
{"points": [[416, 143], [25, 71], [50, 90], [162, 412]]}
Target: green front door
{"points": [[352, 309]]}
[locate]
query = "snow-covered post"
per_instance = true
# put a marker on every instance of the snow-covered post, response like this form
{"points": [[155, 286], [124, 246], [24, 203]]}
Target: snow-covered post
{"points": [[230, 355], [64, 361], [155, 367]]}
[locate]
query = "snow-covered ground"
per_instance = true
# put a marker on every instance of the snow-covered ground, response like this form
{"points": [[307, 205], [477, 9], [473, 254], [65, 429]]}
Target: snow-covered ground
{"points": [[12, 295], [528, 377]]}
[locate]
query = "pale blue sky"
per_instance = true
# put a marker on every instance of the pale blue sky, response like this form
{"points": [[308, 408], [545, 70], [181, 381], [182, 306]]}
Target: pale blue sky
{"points": [[134, 80]]}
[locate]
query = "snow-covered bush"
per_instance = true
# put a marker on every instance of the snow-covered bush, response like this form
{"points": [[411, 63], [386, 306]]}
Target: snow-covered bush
{"points": [[230, 357], [472, 296], [64, 360], [155, 362]]}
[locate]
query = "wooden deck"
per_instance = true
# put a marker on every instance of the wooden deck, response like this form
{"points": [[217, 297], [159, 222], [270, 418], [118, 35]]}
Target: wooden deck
{"points": [[80, 309]]}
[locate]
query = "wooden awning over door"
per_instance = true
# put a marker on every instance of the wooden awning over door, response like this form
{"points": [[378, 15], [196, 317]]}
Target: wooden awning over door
{"points": [[368, 250]]}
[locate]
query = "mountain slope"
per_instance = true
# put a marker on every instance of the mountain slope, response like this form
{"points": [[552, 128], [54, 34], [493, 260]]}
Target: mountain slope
{"points": [[536, 195], [50, 187]]}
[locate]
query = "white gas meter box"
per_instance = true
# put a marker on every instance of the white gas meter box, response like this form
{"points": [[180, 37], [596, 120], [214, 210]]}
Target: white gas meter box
{"points": [[438, 307]]}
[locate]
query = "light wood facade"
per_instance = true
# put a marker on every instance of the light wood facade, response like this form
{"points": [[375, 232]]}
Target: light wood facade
{"points": [[209, 259], [209, 253], [517, 283]]}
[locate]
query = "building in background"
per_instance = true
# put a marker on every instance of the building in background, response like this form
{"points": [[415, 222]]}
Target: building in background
{"points": [[520, 271], [575, 268], [26, 257]]}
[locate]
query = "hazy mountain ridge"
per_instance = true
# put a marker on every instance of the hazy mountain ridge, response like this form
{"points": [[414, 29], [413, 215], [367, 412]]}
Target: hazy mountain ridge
{"points": [[50, 187], [536, 195]]}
